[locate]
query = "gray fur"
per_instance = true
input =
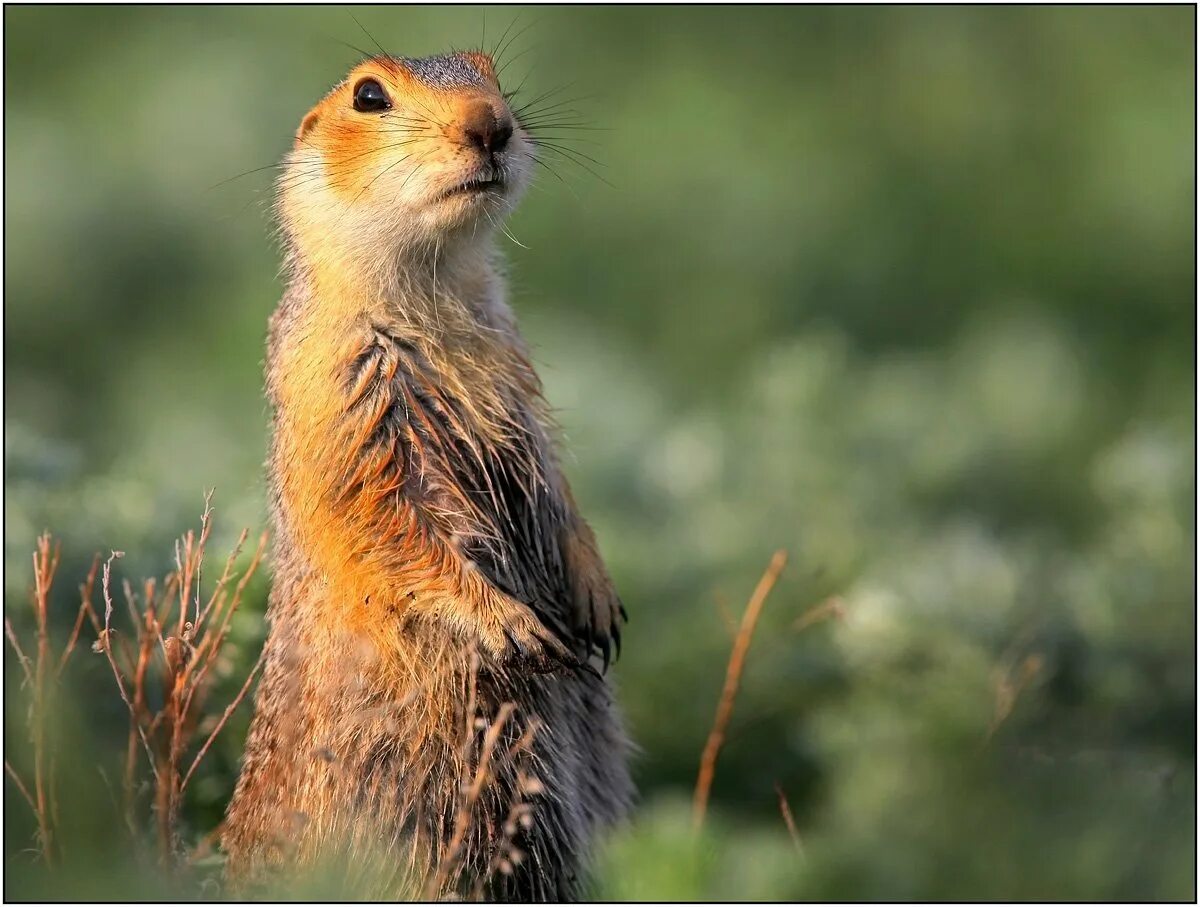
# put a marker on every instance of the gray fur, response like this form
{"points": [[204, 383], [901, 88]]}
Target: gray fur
{"points": [[447, 71]]}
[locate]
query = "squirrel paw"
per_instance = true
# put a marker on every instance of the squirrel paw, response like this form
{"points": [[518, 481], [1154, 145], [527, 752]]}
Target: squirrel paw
{"points": [[514, 634], [599, 615]]}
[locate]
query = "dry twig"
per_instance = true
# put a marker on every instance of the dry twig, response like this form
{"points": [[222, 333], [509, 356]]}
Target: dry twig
{"points": [[786, 811], [831, 607], [41, 673], [462, 819], [20, 786], [26, 664], [478, 772], [733, 674], [1009, 680], [181, 659], [229, 710], [85, 609]]}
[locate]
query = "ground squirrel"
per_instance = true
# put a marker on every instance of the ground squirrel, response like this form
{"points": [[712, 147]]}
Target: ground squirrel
{"points": [[438, 601]]}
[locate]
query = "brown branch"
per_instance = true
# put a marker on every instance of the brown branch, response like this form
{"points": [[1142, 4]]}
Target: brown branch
{"points": [[85, 609], [45, 565], [12, 773], [191, 563], [210, 644], [1009, 687], [26, 665], [86, 589], [147, 633], [225, 575], [71, 640], [229, 710], [831, 607], [205, 529], [786, 811], [164, 734], [462, 819], [105, 646], [733, 674]]}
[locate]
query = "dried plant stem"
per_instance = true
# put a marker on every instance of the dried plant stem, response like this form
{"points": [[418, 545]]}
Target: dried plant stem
{"points": [[20, 785], [471, 794], [26, 664], [831, 607], [105, 645], [227, 572], [785, 810], [205, 652], [733, 675], [37, 678], [139, 658], [84, 609], [229, 710], [44, 566], [1009, 681]]}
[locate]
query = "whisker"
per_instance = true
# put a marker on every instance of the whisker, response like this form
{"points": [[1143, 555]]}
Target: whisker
{"points": [[569, 155], [564, 148], [541, 137], [364, 54], [558, 108], [246, 173], [545, 96], [501, 51], [509, 95], [493, 52], [414, 171], [578, 127], [385, 54], [500, 226], [512, 60], [545, 165]]}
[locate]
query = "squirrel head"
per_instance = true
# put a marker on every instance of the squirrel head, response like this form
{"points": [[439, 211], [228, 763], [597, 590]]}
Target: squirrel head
{"points": [[402, 157]]}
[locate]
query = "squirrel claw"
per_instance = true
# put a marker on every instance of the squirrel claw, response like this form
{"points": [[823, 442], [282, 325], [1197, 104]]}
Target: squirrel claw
{"points": [[590, 640], [599, 617]]}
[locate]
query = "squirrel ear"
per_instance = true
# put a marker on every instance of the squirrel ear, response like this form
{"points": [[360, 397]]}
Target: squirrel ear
{"points": [[307, 124]]}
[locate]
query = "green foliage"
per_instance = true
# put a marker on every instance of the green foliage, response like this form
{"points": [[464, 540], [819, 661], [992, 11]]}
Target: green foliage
{"points": [[908, 292]]}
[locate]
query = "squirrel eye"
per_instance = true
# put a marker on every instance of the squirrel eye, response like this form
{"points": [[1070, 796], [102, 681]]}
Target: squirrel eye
{"points": [[369, 96]]}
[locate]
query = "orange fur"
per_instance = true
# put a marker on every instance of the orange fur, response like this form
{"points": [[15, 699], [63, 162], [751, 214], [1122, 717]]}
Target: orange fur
{"points": [[353, 146]]}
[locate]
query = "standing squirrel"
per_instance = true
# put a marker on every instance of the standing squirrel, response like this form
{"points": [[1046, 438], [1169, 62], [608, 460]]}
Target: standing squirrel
{"points": [[441, 621]]}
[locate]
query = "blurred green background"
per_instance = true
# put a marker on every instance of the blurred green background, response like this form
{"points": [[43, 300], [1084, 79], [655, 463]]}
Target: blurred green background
{"points": [[909, 292]]}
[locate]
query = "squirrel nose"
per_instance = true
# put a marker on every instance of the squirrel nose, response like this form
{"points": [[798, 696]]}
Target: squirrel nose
{"points": [[482, 130]]}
